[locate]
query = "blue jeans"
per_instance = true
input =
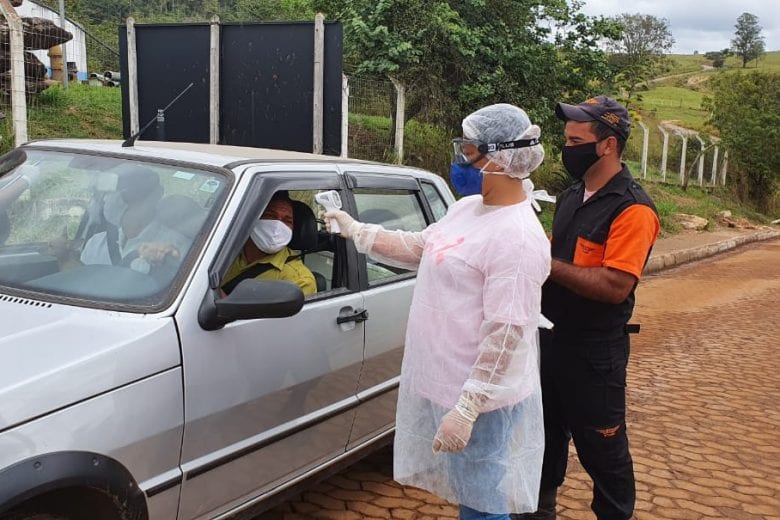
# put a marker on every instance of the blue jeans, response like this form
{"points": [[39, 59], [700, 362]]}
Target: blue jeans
{"points": [[466, 513]]}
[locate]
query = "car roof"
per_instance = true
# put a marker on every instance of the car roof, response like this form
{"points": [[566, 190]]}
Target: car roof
{"points": [[214, 154], [211, 154]]}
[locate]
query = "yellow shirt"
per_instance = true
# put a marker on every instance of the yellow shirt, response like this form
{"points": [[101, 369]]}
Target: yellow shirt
{"points": [[293, 271]]}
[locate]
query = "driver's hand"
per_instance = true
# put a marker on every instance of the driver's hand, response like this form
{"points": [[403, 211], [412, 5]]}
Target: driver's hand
{"points": [[155, 252]]}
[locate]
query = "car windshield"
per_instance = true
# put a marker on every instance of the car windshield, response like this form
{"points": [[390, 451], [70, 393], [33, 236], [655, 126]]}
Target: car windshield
{"points": [[101, 231]]}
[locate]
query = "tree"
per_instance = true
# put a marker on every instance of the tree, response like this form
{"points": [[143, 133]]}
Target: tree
{"points": [[640, 51], [746, 110], [748, 42]]}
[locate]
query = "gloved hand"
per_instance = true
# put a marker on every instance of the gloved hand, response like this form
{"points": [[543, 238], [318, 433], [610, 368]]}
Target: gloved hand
{"points": [[454, 432], [455, 427], [348, 225], [29, 173]]}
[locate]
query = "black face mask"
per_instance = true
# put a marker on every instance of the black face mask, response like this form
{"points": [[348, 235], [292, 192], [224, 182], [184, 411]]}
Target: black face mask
{"points": [[578, 159]]}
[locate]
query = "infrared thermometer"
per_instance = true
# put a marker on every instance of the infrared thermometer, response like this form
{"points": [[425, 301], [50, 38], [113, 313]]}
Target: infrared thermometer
{"points": [[330, 200]]}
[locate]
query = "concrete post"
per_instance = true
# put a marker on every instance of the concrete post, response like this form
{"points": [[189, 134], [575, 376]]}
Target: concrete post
{"points": [[701, 160], [664, 152], [400, 119], [682, 157], [18, 86], [645, 146], [214, 65], [344, 116], [725, 167], [714, 176], [319, 69], [132, 76], [65, 77]]}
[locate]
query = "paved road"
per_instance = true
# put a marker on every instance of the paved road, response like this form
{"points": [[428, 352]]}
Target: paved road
{"points": [[704, 412]]}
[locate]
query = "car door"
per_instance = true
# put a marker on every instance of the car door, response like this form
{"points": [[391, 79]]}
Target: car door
{"points": [[383, 196], [268, 400]]}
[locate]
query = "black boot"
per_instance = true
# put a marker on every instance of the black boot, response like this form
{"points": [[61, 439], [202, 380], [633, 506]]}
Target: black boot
{"points": [[546, 510]]}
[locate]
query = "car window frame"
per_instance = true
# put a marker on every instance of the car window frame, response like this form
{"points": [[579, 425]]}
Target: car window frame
{"points": [[385, 180], [188, 263], [262, 185]]}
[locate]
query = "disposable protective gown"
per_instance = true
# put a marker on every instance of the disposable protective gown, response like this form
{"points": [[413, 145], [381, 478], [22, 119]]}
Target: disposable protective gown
{"points": [[472, 328]]}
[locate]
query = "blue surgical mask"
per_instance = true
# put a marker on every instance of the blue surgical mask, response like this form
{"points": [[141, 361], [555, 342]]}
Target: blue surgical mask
{"points": [[466, 179]]}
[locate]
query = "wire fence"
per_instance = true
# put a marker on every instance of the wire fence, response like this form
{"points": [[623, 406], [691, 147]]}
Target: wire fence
{"points": [[372, 104]]}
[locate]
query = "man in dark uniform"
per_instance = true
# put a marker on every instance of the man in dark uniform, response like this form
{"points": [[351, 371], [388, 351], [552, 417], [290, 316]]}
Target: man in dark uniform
{"points": [[603, 230]]}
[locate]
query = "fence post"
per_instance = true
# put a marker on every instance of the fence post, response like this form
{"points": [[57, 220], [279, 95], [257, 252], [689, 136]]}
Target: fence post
{"points": [[664, 152], [682, 156], [65, 69], [214, 82], [400, 115], [725, 167], [16, 54], [701, 160], [713, 177], [132, 76], [319, 53], [344, 116], [645, 144]]}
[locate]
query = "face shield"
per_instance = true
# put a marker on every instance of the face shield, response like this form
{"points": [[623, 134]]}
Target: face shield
{"points": [[469, 151]]}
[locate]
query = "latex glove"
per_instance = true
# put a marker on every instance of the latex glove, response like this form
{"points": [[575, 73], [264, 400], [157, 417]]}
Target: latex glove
{"points": [[29, 173], [349, 226], [454, 432], [154, 252]]}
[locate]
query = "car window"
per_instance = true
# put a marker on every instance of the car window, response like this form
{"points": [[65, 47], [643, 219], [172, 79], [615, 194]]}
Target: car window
{"points": [[99, 229], [392, 209], [435, 200], [311, 252]]}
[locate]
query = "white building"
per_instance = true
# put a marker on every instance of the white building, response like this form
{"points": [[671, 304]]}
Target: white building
{"points": [[76, 49]]}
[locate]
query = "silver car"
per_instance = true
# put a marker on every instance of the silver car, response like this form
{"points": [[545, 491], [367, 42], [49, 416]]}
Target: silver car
{"points": [[131, 385]]}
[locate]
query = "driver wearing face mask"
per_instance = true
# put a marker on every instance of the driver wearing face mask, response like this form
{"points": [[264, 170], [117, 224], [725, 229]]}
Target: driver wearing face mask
{"points": [[265, 256]]}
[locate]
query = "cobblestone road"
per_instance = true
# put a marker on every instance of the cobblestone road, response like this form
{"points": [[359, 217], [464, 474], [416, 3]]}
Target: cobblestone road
{"points": [[704, 408]]}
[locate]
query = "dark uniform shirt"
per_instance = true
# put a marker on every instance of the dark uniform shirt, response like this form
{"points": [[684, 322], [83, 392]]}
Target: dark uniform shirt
{"points": [[616, 228]]}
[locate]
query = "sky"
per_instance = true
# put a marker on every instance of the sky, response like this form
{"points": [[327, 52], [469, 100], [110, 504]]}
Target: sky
{"points": [[699, 25]]}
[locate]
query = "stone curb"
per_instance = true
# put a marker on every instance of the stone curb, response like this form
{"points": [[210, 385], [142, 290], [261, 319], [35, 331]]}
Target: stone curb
{"points": [[683, 256]]}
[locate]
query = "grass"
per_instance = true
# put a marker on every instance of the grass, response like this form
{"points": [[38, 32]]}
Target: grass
{"points": [[681, 106], [81, 111]]}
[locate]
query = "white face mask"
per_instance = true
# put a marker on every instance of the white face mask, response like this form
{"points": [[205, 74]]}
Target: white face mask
{"points": [[270, 236], [114, 206]]}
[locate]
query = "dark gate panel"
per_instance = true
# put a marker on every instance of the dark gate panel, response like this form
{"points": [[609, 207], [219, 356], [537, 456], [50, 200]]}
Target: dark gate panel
{"points": [[267, 86], [170, 57]]}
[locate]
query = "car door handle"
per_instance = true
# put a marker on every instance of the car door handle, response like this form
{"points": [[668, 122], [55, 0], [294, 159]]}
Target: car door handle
{"points": [[358, 316]]}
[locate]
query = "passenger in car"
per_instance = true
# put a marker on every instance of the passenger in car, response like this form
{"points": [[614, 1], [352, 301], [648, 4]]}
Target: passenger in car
{"points": [[265, 256], [133, 237], [469, 419]]}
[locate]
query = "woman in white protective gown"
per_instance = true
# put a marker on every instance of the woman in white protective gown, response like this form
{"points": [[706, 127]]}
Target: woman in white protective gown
{"points": [[469, 422]]}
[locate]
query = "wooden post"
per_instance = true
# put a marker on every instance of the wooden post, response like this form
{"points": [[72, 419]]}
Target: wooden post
{"points": [[16, 54], [132, 76], [319, 67], [344, 116], [664, 152], [65, 71], [214, 65], [645, 146], [400, 115], [701, 160]]}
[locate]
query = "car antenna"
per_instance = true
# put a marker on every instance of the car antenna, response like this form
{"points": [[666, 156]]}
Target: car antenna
{"points": [[160, 114]]}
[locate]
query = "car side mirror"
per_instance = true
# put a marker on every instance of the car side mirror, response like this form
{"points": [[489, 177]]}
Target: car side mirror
{"points": [[251, 299]]}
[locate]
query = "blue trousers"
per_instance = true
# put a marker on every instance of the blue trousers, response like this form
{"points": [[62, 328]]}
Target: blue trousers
{"points": [[466, 513]]}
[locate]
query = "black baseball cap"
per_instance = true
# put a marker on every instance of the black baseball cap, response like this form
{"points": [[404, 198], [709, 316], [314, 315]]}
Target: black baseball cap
{"points": [[600, 108]]}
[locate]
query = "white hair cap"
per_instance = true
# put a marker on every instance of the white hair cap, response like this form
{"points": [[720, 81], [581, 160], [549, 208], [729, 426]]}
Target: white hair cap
{"points": [[503, 123]]}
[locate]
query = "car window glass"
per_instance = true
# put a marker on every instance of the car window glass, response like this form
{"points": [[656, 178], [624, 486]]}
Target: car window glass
{"points": [[312, 253], [392, 209], [438, 206], [100, 229]]}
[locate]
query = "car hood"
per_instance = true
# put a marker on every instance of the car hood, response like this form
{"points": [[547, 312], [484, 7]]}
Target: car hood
{"points": [[55, 355]]}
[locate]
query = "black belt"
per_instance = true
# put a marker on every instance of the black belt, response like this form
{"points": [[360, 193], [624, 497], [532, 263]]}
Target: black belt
{"points": [[629, 328]]}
